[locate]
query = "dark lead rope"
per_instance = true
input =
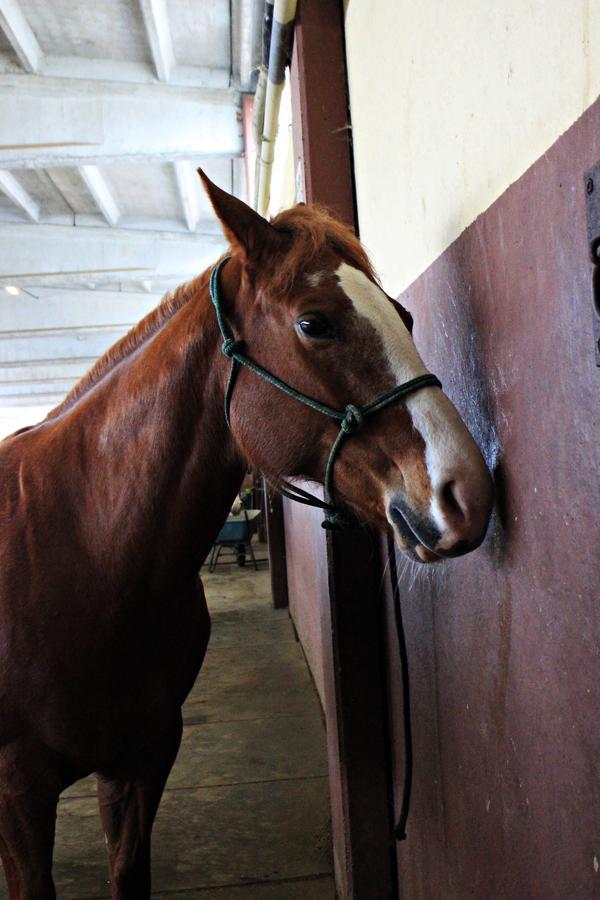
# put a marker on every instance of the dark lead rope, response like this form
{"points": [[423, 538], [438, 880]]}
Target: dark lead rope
{"points": [[350, 420], [400, 828]]}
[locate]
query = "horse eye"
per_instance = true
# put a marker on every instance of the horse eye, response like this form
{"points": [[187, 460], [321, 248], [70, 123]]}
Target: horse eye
{"points": [[316, 325]]}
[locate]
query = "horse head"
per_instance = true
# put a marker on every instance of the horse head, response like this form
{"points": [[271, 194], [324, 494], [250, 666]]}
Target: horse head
{"points": [[301, 295]]}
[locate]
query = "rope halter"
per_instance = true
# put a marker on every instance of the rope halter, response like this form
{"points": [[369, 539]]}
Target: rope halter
{"points": [[350, 420]]}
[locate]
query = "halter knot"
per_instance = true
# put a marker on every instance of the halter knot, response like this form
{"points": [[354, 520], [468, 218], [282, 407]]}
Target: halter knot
{"points": [[331, 522], [352, 420], [231, 346]]}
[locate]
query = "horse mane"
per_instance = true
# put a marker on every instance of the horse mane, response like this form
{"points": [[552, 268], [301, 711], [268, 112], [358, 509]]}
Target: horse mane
{"points": [[146, 328], [313, 228]]}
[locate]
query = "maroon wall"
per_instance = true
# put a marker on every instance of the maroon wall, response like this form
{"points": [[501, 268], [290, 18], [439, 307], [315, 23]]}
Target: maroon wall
{"points": [[503, 644]]}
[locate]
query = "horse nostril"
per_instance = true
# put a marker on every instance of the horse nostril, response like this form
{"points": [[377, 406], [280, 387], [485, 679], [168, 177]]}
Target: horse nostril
{"points": [[452, 502]]}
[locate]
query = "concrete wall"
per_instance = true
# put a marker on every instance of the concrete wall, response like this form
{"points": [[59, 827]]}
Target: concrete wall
{"points": [[451, 103]]}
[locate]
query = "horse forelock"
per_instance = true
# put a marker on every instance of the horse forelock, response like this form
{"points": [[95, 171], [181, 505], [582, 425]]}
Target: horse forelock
{"points": [[146, 328], [314, 230]]}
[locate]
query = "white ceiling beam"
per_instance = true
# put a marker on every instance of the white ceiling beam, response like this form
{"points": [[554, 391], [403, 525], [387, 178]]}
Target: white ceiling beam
{"points": [[14, 25], [51, 254], [187, 185], [103, 198], [42, 402], [124, 281], [19, 196], [124, 71], [77, 278], [97, 220], [53, 308], [48, 342], [57, 369], [39, 347], [28, 393], [57, 122], [156, 20]]}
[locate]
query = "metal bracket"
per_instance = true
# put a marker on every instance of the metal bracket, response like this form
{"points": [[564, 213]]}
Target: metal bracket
{"points": [[592, 190]]}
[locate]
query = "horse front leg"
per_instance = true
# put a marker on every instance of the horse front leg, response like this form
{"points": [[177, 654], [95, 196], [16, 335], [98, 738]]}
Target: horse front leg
{"points": [[128, 806], [29, 790]]}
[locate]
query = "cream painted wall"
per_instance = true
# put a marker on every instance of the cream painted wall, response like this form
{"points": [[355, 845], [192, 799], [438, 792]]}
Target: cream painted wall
{"points": [[452, 100]]}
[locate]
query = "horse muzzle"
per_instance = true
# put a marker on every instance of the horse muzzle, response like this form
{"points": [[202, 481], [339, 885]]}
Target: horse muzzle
{"points": [[457, 526]]}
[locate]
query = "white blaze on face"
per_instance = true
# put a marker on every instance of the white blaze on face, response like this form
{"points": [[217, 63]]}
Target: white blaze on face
{"points": [[448, 444], [370, 302]]}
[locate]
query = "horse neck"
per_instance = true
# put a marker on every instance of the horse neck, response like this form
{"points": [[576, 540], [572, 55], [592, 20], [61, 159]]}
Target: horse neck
{"points": [[157, 463]]}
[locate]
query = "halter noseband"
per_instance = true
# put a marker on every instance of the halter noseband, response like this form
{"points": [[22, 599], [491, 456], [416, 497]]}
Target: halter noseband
{"points": [[350, 419]]}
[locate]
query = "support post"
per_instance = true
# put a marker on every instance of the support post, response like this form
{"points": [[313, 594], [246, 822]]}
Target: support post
{"points": [[276, 543], [352, 621]]}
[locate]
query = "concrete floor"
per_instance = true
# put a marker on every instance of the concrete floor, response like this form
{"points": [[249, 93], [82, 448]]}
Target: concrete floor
{"points": [[245, 815]]}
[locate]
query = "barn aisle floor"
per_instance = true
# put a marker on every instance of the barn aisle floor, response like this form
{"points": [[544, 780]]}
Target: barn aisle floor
{"points": [[245, 815]]}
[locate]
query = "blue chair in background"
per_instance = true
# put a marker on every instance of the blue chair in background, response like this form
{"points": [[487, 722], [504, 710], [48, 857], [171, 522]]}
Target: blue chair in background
{"points": [[236, 534]]}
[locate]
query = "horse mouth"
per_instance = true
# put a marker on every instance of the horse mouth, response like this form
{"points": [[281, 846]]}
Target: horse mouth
{"points": [[424, 555], [414, 535]]}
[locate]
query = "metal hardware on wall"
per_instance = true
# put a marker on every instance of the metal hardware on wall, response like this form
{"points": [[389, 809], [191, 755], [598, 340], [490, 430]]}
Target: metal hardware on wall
{"points": [[592, 190]]}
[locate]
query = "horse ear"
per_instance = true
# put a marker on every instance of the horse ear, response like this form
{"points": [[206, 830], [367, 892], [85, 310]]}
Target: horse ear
{"points": [[243, 227]]}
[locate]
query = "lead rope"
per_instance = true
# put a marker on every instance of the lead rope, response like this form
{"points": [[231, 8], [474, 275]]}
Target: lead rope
{"points": [[400, 828]]}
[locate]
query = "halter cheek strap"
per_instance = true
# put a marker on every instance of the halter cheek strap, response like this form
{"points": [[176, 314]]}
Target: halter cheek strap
{"points": [[350, 419]]}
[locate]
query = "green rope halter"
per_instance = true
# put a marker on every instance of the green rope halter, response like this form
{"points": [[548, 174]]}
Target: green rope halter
{"points": [[350, 419]]}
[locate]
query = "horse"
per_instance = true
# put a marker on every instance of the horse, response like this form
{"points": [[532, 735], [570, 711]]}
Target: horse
{"points": [[110, 505]]}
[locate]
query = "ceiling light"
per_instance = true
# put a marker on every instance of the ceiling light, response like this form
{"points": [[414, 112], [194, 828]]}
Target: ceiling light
{"points": [[11, 289]]}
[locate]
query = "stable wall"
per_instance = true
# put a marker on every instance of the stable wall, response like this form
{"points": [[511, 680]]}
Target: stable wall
{"points": [[473, 126], [503, 643], [450, 104]]}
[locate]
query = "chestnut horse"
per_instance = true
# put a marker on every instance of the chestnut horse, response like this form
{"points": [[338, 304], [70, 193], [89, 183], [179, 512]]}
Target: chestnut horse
{"points": [[111, 504]]}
